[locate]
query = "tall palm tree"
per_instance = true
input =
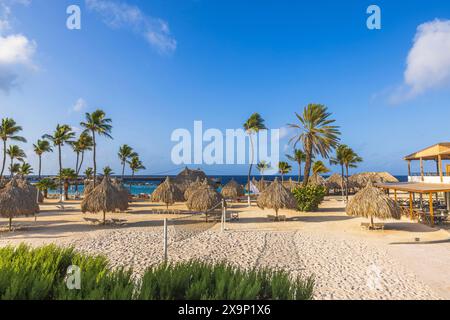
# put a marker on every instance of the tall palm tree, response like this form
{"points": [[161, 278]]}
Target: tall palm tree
{"points": [[284, 168], [62, 135], [97, 123], [15, 152], [253, 125], [67, 175], [8, 131], [125, 154], [299, 156], [25, 169], [89, 172], [317, 134], [320, 168], [80, 146], [342, 153], [136, 165], [351, 161], [41, 147]]}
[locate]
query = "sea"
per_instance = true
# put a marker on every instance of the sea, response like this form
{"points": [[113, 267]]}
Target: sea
{"points": [[146, 185]]}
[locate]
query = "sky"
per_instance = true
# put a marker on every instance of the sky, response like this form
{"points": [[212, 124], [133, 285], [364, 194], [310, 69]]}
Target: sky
{"points": [[158, 65]]}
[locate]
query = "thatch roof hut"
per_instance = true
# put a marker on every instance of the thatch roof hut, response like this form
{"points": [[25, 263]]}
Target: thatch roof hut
{"points": [[88, 187], [193, 187], [186, 177], [123, 192], [104, 198], [317, 180], [16, 201], [232, 190], [290, 184], [277, 197], [262, 184], [335, 182], [203, 200], [360, 180], [371, 203], [167, 193]]}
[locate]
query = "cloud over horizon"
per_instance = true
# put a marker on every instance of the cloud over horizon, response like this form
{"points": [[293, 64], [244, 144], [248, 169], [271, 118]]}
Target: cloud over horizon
{"points": [[428, 61], [118, 15]]}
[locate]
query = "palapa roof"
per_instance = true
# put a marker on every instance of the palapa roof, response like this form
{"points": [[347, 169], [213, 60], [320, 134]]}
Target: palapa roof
{"points": [[186, 177], [168, 193], [334, 181], [104, 198], [276, 197], [290, 184], [232, 190], [361, 179], [193, 187], [432, 153], [16, 201], [31, 191], [317, 180], [204, 199], [372, 202]]}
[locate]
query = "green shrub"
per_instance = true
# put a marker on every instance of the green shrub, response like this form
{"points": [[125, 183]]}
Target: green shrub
{"points": [[309, 198], [40, 274]]}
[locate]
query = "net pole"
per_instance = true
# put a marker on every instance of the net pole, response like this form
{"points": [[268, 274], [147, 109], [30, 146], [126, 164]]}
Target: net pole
{"points": [[165, 241], [223, 215]]}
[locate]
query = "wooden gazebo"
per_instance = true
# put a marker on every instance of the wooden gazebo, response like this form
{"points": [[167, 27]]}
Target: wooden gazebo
{"points": [[438, 153]]}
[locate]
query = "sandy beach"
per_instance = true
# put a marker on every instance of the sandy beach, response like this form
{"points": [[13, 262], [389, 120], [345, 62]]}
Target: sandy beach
{"points": [[346, 261]]}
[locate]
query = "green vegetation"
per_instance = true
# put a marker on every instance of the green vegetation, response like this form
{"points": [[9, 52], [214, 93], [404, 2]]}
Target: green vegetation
{"points": [[40, 274], [309, 197]]}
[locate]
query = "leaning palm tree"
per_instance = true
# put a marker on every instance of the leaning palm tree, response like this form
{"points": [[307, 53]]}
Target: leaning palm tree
{"points": [[62, 135], [317, 135], [299, 156], [15, 152], [41, 147], [253, 125], [125, 154], [8, 131], [97, 123], [14, 169], [320, 168], [136, 165], [283, 169]]}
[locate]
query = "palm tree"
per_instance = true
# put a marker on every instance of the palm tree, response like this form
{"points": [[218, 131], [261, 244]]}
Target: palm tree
{"points": [[262, 167], [284, 168], [299, 156], [136, 165], [351, 161], [317, 134], [46, 184], [97, 123], [66, 175], [80, 146], [15, 152], [14, 169], [89, 172], [25, 169], [107, 171], [62, 135], [253, 125], [40, 148], [8, 131], [342, 151], [320, 168], [125, 154]]}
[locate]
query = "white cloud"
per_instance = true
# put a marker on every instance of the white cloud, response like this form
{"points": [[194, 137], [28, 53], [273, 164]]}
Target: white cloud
{"points": [[79, 105], [428, 62], [118, 14], [16, 49]]}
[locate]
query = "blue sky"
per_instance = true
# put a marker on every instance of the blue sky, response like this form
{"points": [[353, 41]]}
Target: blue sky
{"points": [[155, 66]]}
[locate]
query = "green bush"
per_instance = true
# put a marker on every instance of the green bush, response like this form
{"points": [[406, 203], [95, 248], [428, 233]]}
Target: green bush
{"points": [[40, 274], [309, 198]]}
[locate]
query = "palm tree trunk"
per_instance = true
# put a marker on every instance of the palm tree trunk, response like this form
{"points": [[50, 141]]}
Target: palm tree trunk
{"points": [[81, 163], [282, 178], [250, 170], [60, 172], [343, 182], [40, 166], [95, 161], [308, 161], [123, 170], [76, 168], [4, 159], [346, 182], [299, 171]]}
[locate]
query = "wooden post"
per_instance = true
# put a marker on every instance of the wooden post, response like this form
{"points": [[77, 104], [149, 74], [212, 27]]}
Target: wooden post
{"points": [[431, 209], [441, 174], [409, 168], [421, 169], [411, 206], [395, 195]]}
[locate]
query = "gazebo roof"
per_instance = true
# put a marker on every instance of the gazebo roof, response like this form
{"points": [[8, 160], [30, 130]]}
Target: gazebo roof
{"points": [[431, 153]]}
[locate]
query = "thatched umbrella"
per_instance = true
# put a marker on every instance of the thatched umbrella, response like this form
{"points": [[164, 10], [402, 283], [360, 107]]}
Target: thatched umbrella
{"points": [[360, 180], [277, 197], [232, 190], [88, 187], [186, 177], [168, 193], [262, 184], [193, 187], [16, 201], [317, 180], [123, 192], [290, 184], [104, 198], [371, 202], [203, 200]]}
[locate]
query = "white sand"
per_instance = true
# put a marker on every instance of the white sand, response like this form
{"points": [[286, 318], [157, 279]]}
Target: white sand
{"points": [[347, 263]]}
